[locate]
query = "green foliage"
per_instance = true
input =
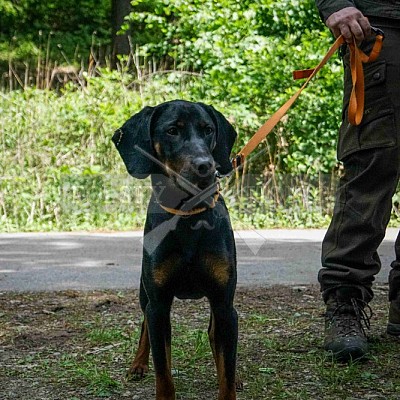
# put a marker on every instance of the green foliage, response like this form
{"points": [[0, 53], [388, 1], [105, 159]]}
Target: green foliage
{"points": [[57, 154], [59, 169], [246, 52], [70, 27]]}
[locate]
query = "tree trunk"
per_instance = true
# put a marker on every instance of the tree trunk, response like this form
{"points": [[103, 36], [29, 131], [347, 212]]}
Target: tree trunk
{"points": [[120, 43]]}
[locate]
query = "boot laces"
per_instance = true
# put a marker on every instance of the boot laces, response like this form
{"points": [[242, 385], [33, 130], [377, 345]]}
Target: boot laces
{"points": [[353, 317]]}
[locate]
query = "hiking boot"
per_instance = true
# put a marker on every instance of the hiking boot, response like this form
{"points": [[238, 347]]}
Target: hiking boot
{"points": [[345, 322], [393, 326]]}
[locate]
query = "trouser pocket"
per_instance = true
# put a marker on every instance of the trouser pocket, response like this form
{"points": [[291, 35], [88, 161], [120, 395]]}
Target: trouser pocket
{"points": [[377, 128]]}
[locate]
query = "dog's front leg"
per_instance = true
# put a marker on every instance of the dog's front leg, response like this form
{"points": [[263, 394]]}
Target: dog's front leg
{"points": [[159, 325], [223, 335]]}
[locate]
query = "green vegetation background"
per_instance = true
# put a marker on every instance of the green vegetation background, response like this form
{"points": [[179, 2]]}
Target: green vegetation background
{"points": [[58, 167]]}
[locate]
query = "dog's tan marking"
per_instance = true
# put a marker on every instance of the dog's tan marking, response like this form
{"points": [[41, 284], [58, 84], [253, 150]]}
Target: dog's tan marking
{"points": [[140, 364], [225, 392], [157, 148], [165, 388], [176, 166], [218, 267], [164, 270]]}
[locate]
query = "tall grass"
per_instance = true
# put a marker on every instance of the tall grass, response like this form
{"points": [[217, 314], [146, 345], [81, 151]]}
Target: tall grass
{"points": [[60, 171]]}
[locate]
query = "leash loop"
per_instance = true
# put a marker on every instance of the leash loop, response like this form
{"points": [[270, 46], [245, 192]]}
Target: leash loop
{"points": [[357, 59]]}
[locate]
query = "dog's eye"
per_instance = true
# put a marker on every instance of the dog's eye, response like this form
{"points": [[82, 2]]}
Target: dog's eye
{"points": [[172, 131], [209, 130]]}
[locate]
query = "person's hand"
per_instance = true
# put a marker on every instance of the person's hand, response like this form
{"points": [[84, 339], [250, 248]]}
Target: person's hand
{"points": [[349, 22]]}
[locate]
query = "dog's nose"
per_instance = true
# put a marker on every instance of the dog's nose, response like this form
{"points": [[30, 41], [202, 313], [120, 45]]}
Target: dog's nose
{"points": [[203, 166]]}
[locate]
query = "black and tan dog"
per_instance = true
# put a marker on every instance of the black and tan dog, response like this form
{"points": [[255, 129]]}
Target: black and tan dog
{"points": [[189, 248]]}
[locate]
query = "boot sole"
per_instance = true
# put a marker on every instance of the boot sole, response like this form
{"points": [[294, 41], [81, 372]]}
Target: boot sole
{"points": [[347, 349], [350, 354], [393, 329]]}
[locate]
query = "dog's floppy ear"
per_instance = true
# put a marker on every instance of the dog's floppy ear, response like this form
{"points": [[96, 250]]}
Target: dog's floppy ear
{"points": [[226, 136], [136, 133]]}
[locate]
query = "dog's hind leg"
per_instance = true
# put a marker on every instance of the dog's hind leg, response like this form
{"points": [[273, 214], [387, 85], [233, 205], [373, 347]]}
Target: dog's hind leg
{"points": [[140, 364], [223, 334]]}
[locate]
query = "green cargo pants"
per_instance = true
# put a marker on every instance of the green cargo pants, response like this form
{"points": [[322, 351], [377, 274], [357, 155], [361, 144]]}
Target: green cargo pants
{"points": [[371, 160]]}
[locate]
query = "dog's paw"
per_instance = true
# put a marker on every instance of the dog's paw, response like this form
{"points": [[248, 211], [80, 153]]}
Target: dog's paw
{"points": [[239, 384], [137, 371]]}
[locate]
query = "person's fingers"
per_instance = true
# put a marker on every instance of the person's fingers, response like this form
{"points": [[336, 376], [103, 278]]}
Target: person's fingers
{"points": [[346, 32], [356, 31], [365, 26], [336, 32], [349, 22]]}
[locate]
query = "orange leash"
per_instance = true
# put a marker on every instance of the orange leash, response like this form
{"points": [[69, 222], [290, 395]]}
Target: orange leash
{"points": [[357, 59], [356, 105]]}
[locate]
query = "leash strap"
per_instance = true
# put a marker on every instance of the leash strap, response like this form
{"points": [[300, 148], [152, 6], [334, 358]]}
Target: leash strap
{"points": [[357, 59], [356, 105]]}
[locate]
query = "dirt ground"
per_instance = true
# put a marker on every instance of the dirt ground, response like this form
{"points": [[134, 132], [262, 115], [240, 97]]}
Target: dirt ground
{"points": [[78, 345]]}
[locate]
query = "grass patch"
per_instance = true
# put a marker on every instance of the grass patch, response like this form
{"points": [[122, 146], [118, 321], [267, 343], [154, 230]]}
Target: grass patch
{"points": [[87, 373], [104, 336], [78, 345]]}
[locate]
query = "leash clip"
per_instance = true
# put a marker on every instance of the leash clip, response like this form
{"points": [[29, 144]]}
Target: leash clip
{"points": [[378, 32], [237, 161]]}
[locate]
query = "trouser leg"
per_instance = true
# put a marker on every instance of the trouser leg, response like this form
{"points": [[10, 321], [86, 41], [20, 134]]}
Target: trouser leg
{"points": [[362, 212], [370, 155], [394, 275]]}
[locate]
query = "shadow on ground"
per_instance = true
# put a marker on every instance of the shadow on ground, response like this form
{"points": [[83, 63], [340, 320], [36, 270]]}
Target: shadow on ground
{"points": [[78, 345]]}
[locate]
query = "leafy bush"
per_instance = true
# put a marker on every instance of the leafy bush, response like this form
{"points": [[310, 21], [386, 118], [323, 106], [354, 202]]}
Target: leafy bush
{"points": [[57, 157], [59, 169], [62, 29], [246, 52]]}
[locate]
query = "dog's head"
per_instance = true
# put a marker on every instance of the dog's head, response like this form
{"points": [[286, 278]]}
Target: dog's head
{"points": [[191, 139]]}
